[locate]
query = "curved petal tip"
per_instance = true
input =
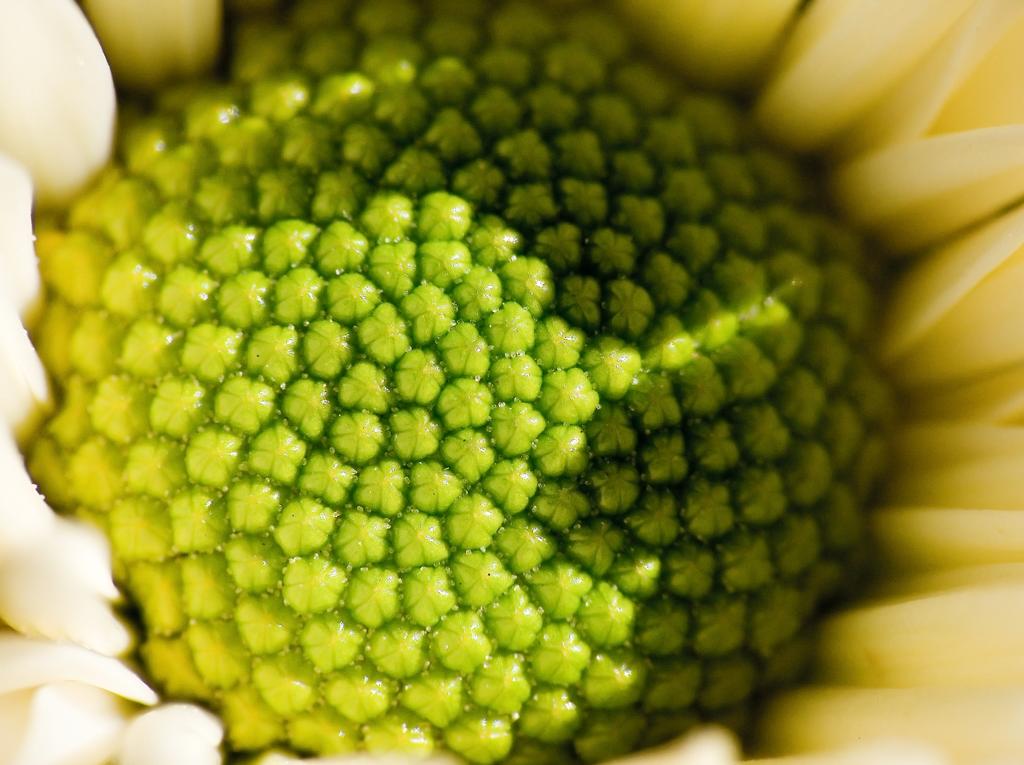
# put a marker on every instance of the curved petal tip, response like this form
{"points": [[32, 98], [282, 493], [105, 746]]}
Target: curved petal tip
{"points": [[173, 734], [58, 95]]}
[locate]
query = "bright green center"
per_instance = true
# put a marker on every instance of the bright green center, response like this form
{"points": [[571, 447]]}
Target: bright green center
{"points": [[450, 378]]}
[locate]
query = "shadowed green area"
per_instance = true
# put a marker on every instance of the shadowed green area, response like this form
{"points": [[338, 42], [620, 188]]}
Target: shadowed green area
{"points": [[450, 378]]}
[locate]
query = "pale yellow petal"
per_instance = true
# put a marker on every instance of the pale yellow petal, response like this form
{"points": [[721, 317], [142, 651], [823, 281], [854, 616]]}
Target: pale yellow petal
{"points": [[149, 43], [946, 537], [936, 283], [171, 735], [970, 725], [980, 333], [929, 582], [914, 194], [875, 753], [956, 639], [842, 58], [934, 444], [994, 483], [14, 719], [992, 397], [911, 109], [58, 95], [992, 95], [946, 143], [720, 44]]}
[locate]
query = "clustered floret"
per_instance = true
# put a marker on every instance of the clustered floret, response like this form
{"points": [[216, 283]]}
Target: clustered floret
{"points": [[450, 378]]}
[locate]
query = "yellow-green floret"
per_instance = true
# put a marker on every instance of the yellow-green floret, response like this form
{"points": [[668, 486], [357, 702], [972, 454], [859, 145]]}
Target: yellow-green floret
{"points": [[450, 378]]}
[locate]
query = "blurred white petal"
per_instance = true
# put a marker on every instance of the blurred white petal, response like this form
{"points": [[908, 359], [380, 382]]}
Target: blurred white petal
{"points": [[60, 724], [934, 285], [991, 482], [924, 100], [914, 108], [58, 95], [709, 746], [992, 397], [947, 537], [876, 753], [149, 43], [941, 150], [17, 257], [933, 444], [30, 663], [990, 93], [722, 44], [916, 193], [977, 335], [14, 720], [960, 638], [932, 581], [970, 725], [842, 57], [171, 735]]}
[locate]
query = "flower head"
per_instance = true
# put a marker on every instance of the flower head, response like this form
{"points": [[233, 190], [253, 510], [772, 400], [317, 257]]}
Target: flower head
{"points": [[937, 308]]}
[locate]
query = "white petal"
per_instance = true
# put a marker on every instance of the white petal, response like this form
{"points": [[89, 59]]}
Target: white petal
{"points": [[971, 726], [22, 377], [933, 286], [916, 193], [842, 57], [57, 92], [24, 516], [724, 43], [69, 724], [912, 109], [30, 663], [171, 735], [957, 639], [151, 42], [60, 587], [875, 753], [17, 257], [947, 537], [709, 746]]}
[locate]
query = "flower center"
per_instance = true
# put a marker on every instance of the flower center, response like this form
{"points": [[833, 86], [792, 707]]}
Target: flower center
{"points": [[451, 378]]}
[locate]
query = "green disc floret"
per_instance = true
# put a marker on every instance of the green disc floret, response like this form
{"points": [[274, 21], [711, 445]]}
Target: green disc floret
{"points": [[452, 378]]}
